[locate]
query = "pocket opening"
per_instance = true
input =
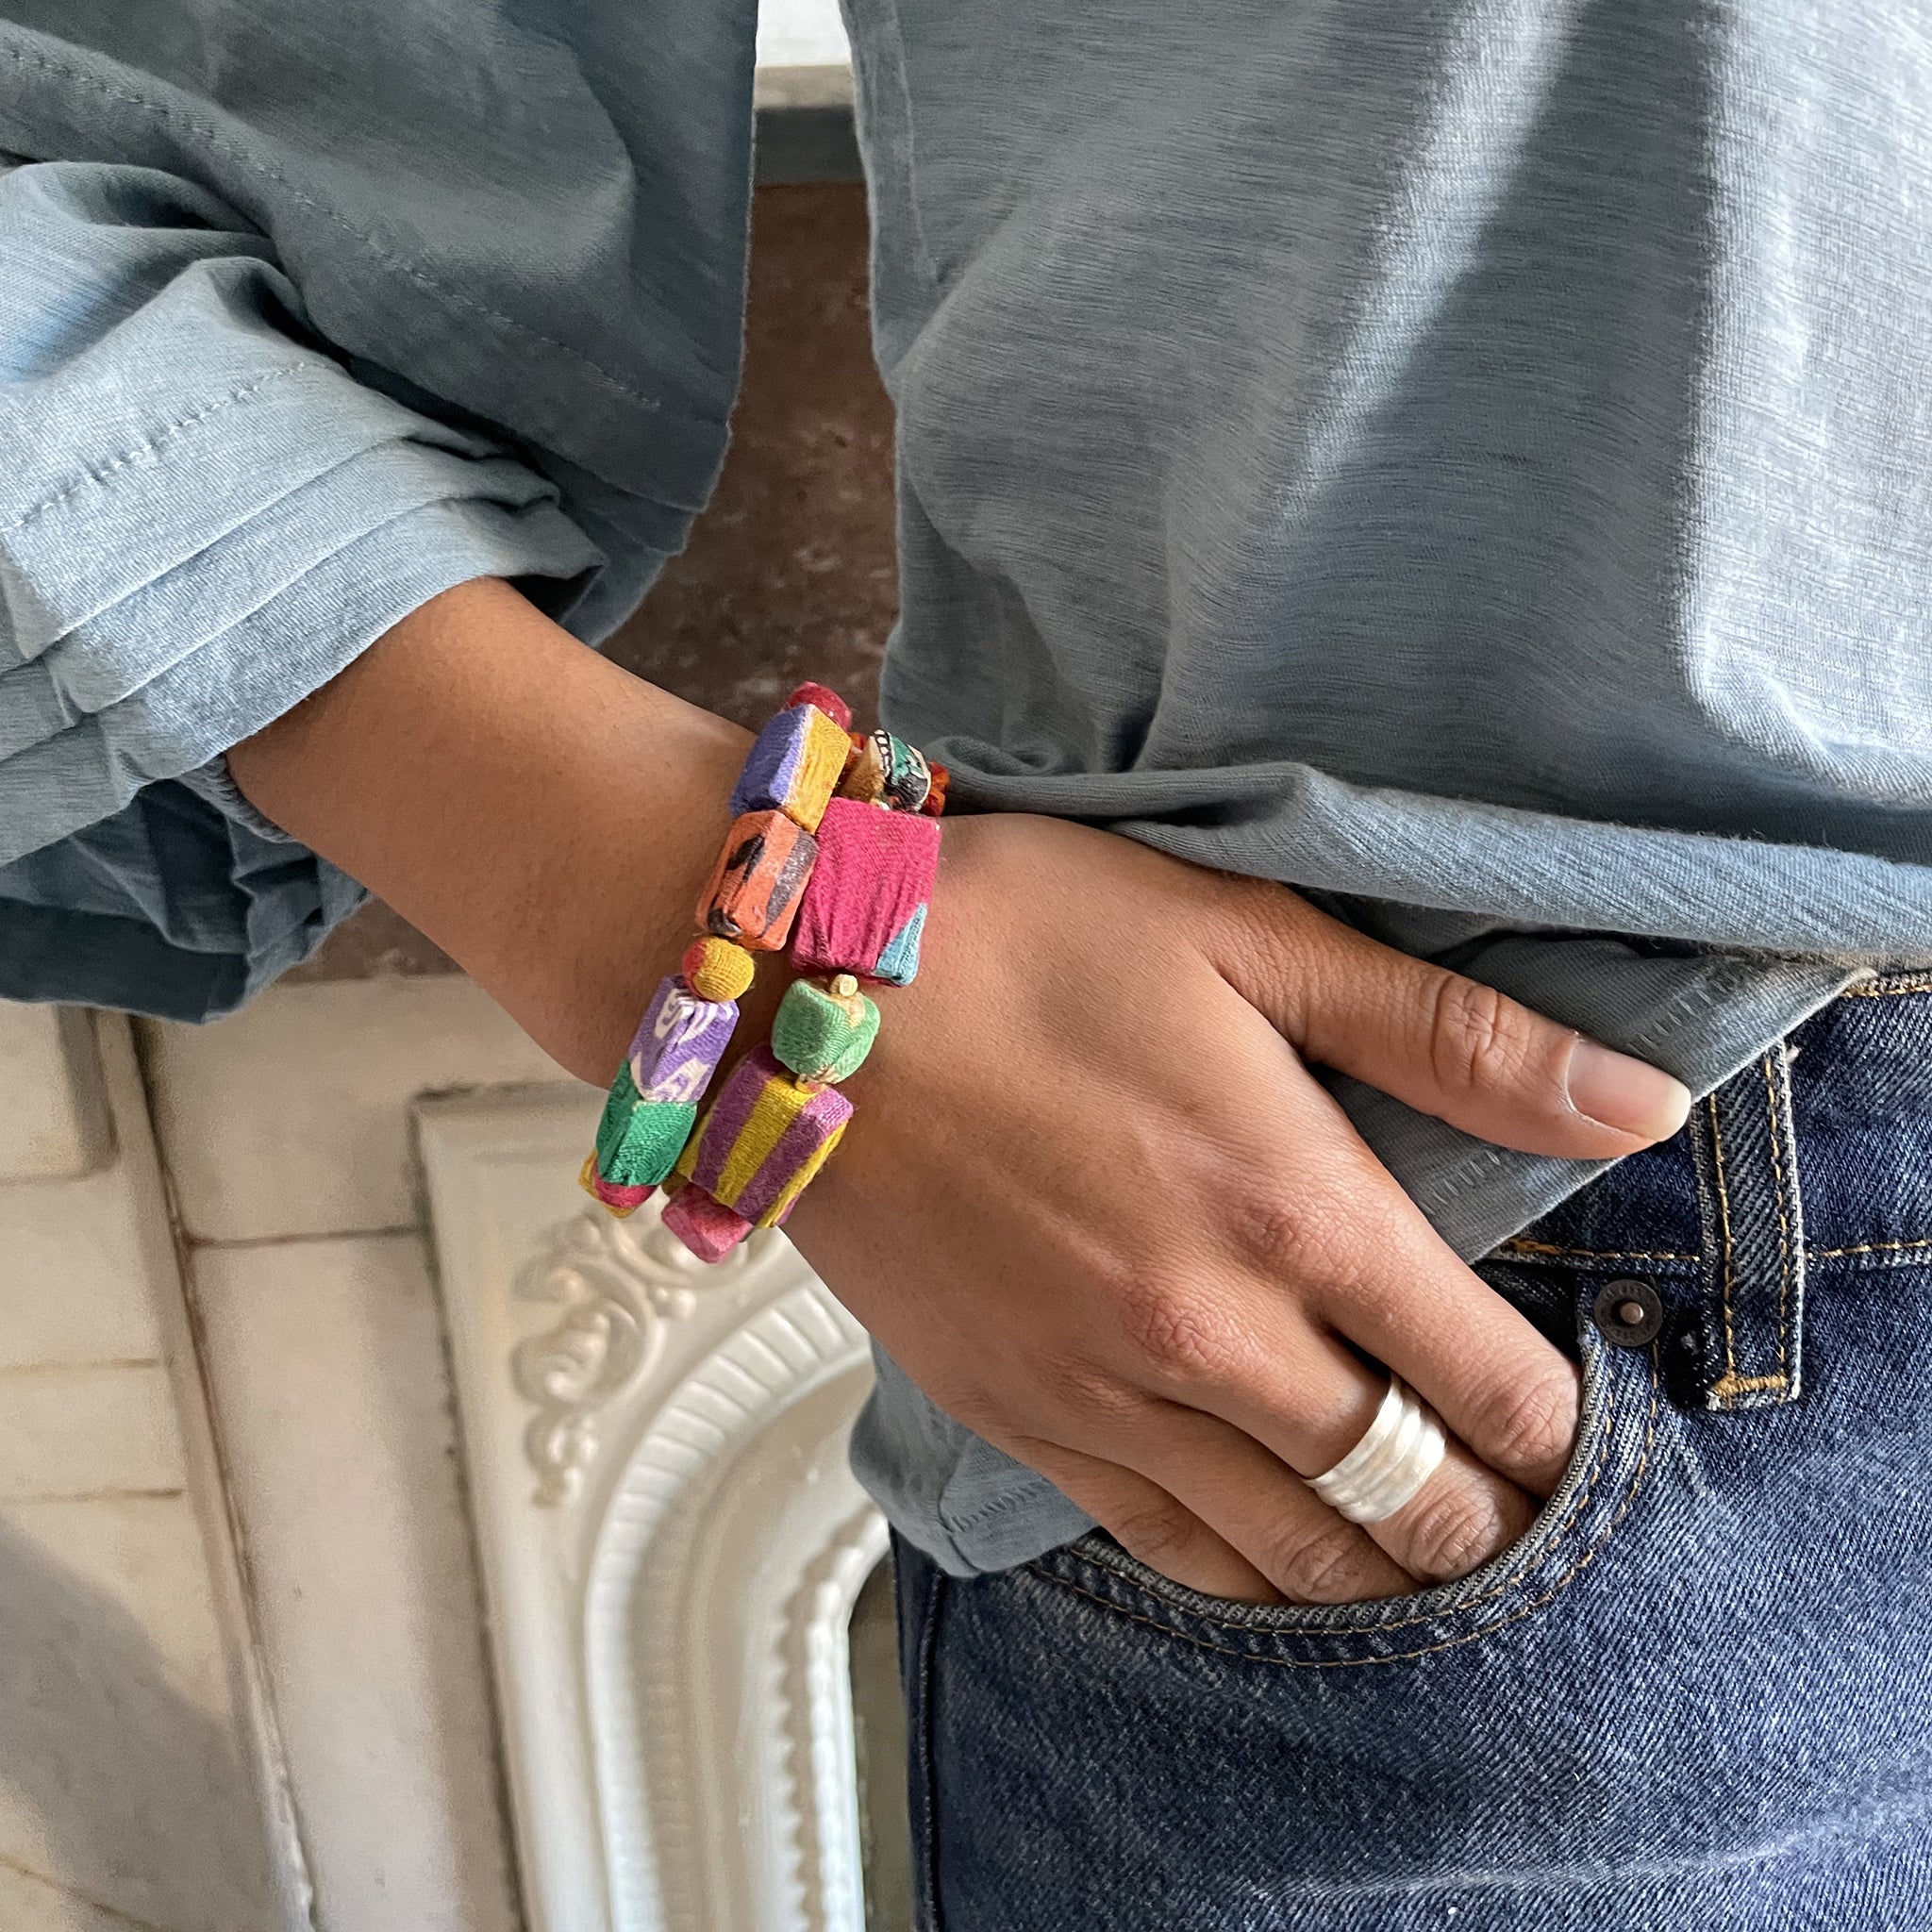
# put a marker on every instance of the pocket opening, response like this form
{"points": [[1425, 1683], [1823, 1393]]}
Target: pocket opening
{"points": [[1618, 1422]]}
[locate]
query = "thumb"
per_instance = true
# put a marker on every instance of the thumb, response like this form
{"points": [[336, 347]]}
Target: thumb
{"points": [[1448, 1046]]}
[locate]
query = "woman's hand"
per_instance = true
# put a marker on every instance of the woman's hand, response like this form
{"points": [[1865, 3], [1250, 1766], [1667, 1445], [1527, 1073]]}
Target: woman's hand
{"points": [[1093, 1202]]}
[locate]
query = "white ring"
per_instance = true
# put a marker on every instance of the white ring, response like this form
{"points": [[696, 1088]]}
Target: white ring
{"points": [[1397, 1454]]}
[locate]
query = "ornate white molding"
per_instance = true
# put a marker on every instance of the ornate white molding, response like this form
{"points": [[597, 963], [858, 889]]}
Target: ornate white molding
{"points": [[669, 1601], [615, 1281]]}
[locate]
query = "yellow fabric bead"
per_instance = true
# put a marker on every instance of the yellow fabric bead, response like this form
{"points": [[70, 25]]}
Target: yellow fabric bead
{"points": [[718, 969]]}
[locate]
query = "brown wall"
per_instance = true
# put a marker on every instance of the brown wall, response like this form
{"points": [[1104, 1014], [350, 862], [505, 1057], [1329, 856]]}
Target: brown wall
{"points": [[788, 574]]}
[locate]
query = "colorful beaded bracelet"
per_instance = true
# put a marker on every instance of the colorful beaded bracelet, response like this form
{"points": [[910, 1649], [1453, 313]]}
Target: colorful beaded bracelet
{"points": [[833, 845]]}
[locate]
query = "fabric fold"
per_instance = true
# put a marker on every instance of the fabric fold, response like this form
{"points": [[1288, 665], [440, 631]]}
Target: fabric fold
{"points": [[162, 901], [204, 516]]}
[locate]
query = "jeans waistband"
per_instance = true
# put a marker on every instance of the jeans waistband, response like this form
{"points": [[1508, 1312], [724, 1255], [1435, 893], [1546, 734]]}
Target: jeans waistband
{"points": [[1811, 1163]]}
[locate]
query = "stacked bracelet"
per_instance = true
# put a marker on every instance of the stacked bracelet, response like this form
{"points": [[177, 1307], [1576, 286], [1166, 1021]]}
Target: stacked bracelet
{"points": [[833, 845]]}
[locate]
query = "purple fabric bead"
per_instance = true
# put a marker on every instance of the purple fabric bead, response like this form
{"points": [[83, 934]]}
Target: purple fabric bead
{"points": [[679, 1042]]}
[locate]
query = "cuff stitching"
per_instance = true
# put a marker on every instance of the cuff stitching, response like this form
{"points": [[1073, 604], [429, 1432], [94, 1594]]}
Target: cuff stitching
{"points": [[151, 447]]}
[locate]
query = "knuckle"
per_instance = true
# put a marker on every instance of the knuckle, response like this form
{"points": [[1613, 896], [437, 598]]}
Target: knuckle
{"points": [[1450, 1531], [1529, 1427], [1154, 1532], [1085, 1391], [1319, 1566], [1289, 1241], [1175, 1333], [1478, 1038]]}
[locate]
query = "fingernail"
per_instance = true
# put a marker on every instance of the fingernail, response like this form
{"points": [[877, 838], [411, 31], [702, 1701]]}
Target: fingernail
{"points": [[1629, 1096]]}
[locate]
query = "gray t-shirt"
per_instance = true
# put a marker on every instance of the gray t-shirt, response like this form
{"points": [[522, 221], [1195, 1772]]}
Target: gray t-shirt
{"points": [[1469, 459], [1464, 457]]}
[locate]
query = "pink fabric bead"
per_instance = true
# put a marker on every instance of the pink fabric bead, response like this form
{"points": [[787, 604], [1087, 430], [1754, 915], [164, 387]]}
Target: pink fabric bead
{"points": [[875, 871], [707, 1227], [827, 700], [621, 1200]]}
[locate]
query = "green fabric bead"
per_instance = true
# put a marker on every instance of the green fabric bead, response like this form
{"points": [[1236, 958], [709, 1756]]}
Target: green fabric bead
{"points": [[618, 1104], [821, 1037], [639, 1140]]}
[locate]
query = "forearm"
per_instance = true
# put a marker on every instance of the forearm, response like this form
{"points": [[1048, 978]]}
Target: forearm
{"points": [[543, 816]]}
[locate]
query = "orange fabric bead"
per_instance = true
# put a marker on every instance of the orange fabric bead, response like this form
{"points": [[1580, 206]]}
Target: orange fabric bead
{"points": [[752, 894]]}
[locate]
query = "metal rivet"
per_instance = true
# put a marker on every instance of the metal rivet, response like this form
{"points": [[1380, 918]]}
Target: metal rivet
{"points": [[1628, 1313]]}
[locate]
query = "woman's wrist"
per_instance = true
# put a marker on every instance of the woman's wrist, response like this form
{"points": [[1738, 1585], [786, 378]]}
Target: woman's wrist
{"points": [[543, 816]]}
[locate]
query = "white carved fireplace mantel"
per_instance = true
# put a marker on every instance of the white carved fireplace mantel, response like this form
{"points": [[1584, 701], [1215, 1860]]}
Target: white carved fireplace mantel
{"points": [[671, 1540]]}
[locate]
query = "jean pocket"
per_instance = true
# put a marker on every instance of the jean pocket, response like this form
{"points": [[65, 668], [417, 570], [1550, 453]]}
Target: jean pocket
{"points": [[1615, 1451]]}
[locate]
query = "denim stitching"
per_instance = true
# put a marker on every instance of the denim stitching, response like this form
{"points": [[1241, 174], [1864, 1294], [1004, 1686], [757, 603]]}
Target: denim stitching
{"points": [[1731, 1384], [151, 447], [1775, 1110], [1532, 1249], [1543, 1545], [1880, 991], [207, 132], [929, 1651], [1523, 1246], [1529, 1609], [1723, 1206]]}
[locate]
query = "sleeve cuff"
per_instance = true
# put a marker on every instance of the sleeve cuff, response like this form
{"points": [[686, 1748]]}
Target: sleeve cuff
{"points": [[261, 664], [212, 783], [181, 900]]}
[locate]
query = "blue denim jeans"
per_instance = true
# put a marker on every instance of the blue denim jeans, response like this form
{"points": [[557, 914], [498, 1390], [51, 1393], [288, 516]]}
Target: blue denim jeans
{"points": [[1697, 1694]]}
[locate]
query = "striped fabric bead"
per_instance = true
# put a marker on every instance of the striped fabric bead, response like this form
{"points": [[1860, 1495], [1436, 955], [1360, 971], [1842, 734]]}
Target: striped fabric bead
{"points": [[763, 1138]]}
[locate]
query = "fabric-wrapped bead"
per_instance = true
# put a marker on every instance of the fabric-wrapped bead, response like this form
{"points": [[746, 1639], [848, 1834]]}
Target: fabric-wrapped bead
{"points": [[899, 963], [884, 770], [709, 1229], [865, 772], [716, 969], [763, 1138], [679, 1042], [827, 700], [825, 1033], [863, 909], [752, 894], [793, 767], [621, 1202], [637, 1144], [638, 1139]]}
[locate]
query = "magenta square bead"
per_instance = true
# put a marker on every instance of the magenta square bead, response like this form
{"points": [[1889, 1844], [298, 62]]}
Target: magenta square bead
{"points": [[875, 869]]}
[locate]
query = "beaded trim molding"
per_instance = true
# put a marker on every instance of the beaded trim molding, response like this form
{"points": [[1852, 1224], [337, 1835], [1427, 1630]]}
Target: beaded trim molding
{"points": [[833, 848]]}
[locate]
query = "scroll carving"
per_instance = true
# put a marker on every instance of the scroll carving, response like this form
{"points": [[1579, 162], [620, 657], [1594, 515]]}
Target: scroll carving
{"points": [[616, 1282]]}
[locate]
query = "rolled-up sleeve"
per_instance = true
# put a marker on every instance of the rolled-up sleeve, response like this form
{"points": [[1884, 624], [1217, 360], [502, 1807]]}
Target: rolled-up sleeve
{"points": [[205, 514]]}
